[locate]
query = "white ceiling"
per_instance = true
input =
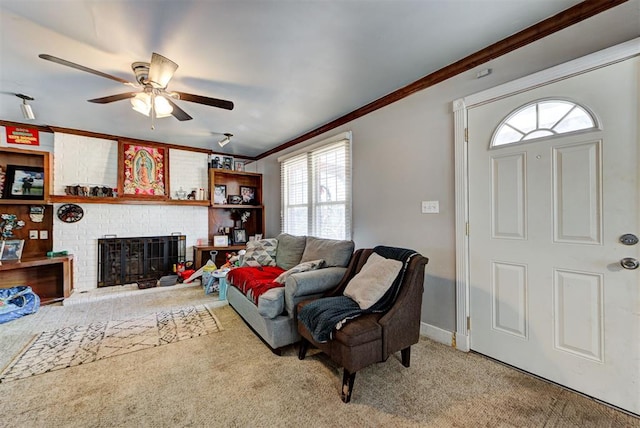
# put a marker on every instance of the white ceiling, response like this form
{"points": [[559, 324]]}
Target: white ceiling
{"points": [[289, 66]]}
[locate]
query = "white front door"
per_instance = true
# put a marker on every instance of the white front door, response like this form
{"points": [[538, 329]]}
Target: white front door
{"points": [[548, 293]]}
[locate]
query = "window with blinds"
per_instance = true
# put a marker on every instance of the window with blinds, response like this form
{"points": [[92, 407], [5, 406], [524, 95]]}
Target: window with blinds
{"points": [[316, 190]]}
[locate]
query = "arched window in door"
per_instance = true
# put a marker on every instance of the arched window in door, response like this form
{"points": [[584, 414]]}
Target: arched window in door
{"points": [[542, 119]]}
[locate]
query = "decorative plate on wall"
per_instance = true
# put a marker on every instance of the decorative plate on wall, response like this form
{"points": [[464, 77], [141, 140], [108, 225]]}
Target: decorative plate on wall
{"points": [[70, 213]]}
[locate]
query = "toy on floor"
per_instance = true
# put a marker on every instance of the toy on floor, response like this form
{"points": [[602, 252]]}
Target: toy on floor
{"points": [[184, 270], [233, 259]]}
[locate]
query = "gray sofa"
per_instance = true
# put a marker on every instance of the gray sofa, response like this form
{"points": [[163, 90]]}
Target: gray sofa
{"points": [[273, 318]]}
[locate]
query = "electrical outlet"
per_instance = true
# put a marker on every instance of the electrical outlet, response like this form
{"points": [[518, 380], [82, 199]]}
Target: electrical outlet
{"points": [[44, 234], [33, 234], [430, 207]]}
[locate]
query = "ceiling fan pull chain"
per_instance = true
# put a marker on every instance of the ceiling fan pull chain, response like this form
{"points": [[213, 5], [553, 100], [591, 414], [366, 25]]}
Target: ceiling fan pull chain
{"points": [[153, 111]]}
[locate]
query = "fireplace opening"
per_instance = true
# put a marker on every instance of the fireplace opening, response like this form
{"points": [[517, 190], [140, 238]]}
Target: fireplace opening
{"points": [[126, 260]]}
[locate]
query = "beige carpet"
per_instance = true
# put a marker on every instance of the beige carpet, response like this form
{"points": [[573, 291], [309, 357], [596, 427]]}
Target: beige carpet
{"points": [[82, 344], [230, 379]]}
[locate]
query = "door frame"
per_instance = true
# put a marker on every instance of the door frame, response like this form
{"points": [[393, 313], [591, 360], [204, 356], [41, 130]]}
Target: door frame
{"points": [[617, 53]]}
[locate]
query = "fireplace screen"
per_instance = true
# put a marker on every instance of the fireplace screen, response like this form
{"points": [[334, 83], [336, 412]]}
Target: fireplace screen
{"points": [[126, 260]]}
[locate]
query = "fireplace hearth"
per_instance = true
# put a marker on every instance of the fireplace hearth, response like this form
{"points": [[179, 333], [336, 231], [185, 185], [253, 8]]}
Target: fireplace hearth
{"points": [[126, 260]]}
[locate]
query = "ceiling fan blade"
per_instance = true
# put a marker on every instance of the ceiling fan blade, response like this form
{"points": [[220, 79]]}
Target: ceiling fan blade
{"points": [[213, 102], [177, 112], [83, 68], [161, 70], [112, 98]]}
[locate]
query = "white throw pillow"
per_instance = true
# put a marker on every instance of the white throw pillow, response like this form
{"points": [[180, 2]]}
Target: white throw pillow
{"points": [[374, 279], [302, 267]]}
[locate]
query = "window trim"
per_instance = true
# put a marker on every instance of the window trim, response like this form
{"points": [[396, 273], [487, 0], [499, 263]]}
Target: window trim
{"points": [[312, 203], [596, 123]]}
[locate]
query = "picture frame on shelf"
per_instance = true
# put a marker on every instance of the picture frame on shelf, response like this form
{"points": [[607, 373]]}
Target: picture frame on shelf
{"points": [[216, 162], [144, 170], [240, 166], [234, 199], [258, 236], [220, 241], [248, 194], [227, 162], [220, 194], [239, 236], [24, 182], [12, 250]]}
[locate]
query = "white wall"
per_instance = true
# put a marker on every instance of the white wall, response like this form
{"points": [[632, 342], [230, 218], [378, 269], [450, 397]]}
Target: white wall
{"points": [[81, 238], [93, 161], [404, 154]]}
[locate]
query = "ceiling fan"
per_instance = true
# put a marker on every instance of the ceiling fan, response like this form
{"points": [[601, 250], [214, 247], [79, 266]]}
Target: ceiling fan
{"points": [[153, 99]]}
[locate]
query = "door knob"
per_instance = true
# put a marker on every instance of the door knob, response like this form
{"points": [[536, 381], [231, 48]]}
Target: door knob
{"points": [[629, 239], [629, 263]]}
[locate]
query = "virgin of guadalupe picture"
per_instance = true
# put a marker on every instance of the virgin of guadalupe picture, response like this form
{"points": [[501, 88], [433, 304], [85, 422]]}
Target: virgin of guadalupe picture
{"points": [[143, 170]]}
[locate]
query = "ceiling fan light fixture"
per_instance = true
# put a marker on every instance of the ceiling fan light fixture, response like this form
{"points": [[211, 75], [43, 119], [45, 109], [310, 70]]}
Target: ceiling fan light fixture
{"points": [[141, 103], [226, 140], [162, 106]]}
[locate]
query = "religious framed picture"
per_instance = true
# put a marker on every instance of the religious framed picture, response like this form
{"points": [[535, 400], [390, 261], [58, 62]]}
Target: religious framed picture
{"points": [[24, 182], [144, 169]]}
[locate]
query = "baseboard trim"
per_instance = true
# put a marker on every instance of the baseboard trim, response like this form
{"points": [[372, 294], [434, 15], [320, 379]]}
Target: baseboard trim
{"points": [[437, 334]]}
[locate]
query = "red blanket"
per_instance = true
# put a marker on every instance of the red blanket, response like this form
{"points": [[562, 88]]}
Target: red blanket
{"points": [[253, 282]]}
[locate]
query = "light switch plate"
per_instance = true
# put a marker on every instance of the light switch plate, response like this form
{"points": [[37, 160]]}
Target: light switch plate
{"points": [[44, 234], [430, 207], [33, 234]]}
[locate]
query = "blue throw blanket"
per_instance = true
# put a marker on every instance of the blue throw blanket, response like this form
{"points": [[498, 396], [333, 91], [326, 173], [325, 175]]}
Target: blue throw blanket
{"points": [[324, 315]]}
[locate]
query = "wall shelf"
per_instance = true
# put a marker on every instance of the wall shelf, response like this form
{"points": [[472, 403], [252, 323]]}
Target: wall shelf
{"points": [[221, 215], [69, 199]]}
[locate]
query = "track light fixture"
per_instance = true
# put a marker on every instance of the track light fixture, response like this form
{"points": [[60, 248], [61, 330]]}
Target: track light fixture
{"points": [[226, 140], [27, 111]]}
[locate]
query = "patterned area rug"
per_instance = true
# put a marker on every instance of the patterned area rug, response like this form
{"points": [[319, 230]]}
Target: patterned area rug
{"points": [[72, 346]]}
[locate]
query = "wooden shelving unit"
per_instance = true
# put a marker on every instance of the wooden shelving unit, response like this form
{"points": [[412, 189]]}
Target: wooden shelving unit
{"points": [[11, 156], [51, 278], [222, 215]]}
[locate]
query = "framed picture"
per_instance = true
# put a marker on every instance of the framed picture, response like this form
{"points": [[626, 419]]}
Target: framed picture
{"points": [[258, 236], [216, 162], [24, 182], [239, 236], [248, 195], [220, 194], [239, 166], [235, 199], [227, 162], [145, 170], [220, 241], [12, 250]]}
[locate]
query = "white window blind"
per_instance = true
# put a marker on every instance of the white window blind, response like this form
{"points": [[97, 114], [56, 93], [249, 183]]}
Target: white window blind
{"points": [[316, 191]]}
